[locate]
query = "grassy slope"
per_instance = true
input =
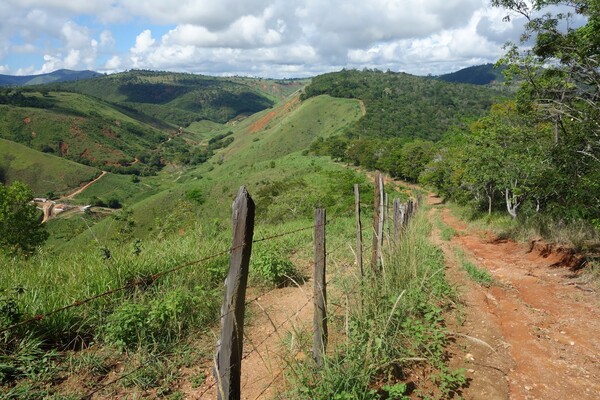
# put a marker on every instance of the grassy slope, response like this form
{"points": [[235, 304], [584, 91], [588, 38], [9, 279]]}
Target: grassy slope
{"points": [[256, 158], [89, 129], [42, 172], [179, 99]]}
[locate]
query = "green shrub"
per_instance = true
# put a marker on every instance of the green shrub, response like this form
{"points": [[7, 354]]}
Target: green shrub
{"points": [[479, 275], [269, 266], [159, 320]]}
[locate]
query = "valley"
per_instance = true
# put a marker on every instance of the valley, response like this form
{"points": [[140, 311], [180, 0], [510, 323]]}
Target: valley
{"points": [[122, 300]]}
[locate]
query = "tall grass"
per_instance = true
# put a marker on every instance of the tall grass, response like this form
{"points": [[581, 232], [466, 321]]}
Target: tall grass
{"points": [[395, 322], [151, 319]]}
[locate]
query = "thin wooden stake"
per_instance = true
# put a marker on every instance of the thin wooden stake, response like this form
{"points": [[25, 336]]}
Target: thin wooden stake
{"points": [[320, 289], [397, 221], [377, 224], [359, 244], [228, 359]]}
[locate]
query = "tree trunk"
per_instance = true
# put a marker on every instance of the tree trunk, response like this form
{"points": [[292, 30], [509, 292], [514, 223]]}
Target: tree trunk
{"points": [[511, 204]]}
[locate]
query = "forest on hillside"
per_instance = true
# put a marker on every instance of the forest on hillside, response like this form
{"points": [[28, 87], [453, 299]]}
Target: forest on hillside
{"points": [[535, 155], [404, 106]]}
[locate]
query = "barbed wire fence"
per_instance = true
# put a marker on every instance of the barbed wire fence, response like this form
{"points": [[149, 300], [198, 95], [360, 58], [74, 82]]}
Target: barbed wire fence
{"points": [[149, 280]]}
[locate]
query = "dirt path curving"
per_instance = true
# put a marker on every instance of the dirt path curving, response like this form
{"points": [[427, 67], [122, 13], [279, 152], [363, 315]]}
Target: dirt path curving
{"points": [[82, 188], [541, 330], [363, 109]]}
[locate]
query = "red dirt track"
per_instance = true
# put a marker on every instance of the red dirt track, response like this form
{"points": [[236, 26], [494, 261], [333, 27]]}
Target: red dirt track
{"points": [[543, 328]]}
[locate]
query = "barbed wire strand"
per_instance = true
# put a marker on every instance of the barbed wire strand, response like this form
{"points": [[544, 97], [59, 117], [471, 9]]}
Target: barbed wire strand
{"points": [[156, 276], [145, 281]]}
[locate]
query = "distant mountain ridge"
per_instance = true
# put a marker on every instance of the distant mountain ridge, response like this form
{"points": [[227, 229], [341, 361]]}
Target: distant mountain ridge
{"points": [[475, 75], [61, 75]]}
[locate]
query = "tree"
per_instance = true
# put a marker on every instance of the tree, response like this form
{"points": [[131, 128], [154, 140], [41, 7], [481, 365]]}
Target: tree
{"points": [[20, 228], [561, 72]]}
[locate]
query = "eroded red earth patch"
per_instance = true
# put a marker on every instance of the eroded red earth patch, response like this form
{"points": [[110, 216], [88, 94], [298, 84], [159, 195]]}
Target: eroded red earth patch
{"points": [[542, 328]]}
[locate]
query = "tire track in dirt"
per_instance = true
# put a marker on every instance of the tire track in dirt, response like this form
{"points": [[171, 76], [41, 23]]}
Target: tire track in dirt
{"points": [[547, 330]]}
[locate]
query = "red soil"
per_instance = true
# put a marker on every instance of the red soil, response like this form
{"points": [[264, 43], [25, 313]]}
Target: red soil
{"points": [[543, 328]]}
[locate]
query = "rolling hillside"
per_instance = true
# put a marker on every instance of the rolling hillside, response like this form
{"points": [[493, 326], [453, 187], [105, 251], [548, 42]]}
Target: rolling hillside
{"points": [[404, 106], [42, 172], [61, 75], [179, 99], [78, 127], [477, 75]]}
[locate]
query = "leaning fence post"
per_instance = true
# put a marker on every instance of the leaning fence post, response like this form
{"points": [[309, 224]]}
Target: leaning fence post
{"points": [[377, 222], [320, 289], [228, 359], [359, 256]]}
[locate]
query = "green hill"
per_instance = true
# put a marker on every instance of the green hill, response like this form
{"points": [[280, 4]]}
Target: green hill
{"points": [[77, 127], [177, 98], [42, 172], [477, 75], [404, 106], [61, 75]]}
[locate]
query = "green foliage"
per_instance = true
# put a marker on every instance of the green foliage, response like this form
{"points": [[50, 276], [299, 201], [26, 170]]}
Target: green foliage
{"points": [[160, 320], [195, 195], [269, 265], [43, 173], [476, 75], [402, 105], [479, 275], [400, 318], [20, 228], [560, 74], [179, 99]]}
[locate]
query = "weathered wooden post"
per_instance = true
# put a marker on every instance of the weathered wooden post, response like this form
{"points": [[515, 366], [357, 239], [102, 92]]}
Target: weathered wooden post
{"points": [[406, 215], [320, 289], [386, 218], [377, 223], [359, 256], [397, 220], [228, 359]]}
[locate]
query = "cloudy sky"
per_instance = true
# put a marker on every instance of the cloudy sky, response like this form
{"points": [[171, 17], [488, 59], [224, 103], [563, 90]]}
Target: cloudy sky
{"points": [[268, 38]]}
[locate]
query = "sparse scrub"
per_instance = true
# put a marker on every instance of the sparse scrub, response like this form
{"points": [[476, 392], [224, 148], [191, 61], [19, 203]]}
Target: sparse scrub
{"points": [[479, 275], [446, 231], [395, 321]]}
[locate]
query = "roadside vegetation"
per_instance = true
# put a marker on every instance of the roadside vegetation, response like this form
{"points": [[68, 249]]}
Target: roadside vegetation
{"points": [[153, 245], [395, 333]]}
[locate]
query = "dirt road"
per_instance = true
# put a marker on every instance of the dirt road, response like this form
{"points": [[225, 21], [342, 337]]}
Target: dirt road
{"points": [[541, 328], [82, 188]]}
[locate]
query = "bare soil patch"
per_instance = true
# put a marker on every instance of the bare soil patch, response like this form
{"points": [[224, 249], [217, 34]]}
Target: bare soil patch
{"points": [[542, 329]]}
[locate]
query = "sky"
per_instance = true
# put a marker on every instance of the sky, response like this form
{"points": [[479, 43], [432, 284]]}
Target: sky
{"points": [[264, 38]]}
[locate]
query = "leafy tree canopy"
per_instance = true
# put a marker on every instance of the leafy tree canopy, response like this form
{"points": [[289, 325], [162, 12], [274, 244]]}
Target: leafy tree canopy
{"points": [[562, 70], [20, 227]]}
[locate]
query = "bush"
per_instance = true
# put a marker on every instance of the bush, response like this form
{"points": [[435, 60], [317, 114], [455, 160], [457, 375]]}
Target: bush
{"points": [[195, 195], [159, 320], [269, 266], [114, 203]]}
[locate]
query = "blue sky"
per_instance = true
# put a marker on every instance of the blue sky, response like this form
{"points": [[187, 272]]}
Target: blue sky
{"points": [[268, 38]]}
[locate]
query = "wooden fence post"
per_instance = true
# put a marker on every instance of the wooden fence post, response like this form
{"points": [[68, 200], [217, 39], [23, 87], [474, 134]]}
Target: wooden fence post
{"points": [[359, 256], [397, 220], [387, 215], [228, 359], [377, 222], [320, 290]]}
